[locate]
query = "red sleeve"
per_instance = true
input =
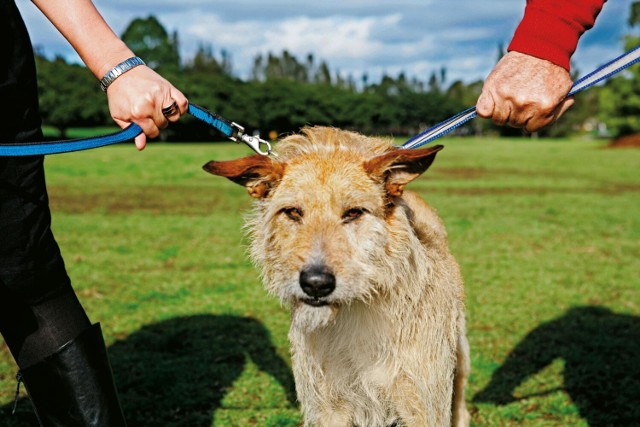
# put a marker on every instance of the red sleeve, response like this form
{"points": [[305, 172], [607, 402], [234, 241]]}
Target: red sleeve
{"points": [[550, 29]]}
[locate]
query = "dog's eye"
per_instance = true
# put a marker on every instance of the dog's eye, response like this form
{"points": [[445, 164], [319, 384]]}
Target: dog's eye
{"points": [[353, 214], [293, 214]]}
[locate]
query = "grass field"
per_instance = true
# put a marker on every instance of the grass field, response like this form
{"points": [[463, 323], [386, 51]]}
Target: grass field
{"points": [[547, 234]]}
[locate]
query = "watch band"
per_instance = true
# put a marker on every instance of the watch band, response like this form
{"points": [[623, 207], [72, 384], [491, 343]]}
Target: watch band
{"points": [[119, 70]]}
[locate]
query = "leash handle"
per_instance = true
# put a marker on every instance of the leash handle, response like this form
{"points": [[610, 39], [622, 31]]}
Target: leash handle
{"points": [[231, 130], [66, 146], [602, 73]]}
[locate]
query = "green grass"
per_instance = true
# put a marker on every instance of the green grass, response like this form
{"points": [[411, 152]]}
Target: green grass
{"points": [[547, 234]]}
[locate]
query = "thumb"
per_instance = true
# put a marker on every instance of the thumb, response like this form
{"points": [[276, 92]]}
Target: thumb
{"points": [[485, 105]]}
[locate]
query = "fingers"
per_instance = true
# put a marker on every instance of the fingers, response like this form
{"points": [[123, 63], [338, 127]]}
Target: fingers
{"points": [[148, 126], [524, 92], [181, 100], [541, 121], [140, 140], [502, 114], [143, 97], [179, 105]]}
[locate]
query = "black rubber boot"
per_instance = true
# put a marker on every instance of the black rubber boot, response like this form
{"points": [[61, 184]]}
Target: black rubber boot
{"points": [[74, 386]]}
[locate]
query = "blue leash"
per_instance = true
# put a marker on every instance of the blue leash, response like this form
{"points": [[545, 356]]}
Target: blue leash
{"points": [[231, 130], [604, 72]]}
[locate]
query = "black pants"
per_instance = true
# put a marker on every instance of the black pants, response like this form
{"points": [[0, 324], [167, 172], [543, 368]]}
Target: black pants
{"points": [[38, 308]]}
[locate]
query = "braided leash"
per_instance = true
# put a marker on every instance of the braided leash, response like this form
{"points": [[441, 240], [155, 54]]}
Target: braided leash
{"points": [[602, 73]]}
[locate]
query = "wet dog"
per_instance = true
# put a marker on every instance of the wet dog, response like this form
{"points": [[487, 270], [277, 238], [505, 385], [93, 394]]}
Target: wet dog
{"points": [[378, 330]]}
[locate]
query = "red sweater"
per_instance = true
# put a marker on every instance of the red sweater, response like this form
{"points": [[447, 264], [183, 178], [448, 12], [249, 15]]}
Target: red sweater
{"points": [[550, 29]]}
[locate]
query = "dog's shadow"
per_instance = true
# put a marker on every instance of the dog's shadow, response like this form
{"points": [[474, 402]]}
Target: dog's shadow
{"points": [[178, 371], [601, 351]]}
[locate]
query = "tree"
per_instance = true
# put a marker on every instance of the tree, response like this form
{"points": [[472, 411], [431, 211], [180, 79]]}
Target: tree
{"points": [[322, 74], [204, 62], [286, 67], [257, 71], [634, 15], [151, 41], [620, 98], [69, 95]]}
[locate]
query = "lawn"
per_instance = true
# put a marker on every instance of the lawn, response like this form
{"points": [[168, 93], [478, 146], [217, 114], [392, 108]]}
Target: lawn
{"points": [[547, 234]]}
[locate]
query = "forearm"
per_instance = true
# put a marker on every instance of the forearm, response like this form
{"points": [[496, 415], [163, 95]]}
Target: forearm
{"points": [[550, 29], [85, 29]]}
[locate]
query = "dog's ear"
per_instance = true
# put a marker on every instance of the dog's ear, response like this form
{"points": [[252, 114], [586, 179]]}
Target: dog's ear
{"points": [[400, 166], [257, 173]]}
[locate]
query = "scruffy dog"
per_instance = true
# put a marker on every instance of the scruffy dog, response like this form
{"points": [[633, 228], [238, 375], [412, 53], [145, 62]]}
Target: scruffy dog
{"points": [[378, 329]]}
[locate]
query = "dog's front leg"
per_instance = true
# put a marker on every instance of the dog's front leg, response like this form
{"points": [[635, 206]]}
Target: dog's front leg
{"points": [[460, 415], [423, 405], [320, 408]]}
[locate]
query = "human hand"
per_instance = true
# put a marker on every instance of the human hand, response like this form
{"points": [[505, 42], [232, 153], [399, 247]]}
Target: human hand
{"points": [[138, 96], [525, 92]]}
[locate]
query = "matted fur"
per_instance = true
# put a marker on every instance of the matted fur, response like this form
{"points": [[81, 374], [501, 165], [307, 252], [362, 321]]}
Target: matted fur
{"points": [[388, 345]]}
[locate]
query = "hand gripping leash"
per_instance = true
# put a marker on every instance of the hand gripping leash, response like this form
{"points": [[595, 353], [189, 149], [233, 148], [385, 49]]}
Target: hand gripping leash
{"points": [[231, 130], [604, 72]]}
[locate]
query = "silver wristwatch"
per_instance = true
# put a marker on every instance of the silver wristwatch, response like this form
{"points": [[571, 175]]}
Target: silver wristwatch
{"points": [[119, 70]]}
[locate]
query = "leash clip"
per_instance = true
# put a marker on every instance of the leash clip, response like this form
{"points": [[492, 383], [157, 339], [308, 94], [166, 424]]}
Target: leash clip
{"points": [[255, 142]]}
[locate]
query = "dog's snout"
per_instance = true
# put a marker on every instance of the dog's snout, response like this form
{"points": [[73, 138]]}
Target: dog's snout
{"points": [[317, 281]]}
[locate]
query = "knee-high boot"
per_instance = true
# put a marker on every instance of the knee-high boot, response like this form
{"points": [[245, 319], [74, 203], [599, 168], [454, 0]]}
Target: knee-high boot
{"points": [[74, 387]]}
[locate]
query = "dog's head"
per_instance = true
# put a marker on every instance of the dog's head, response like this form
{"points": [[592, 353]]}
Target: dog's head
{"points": [[325, 215]]}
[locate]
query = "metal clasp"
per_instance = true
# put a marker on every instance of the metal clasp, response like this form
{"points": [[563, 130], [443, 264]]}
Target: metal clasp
{"points": [[255, 142]]}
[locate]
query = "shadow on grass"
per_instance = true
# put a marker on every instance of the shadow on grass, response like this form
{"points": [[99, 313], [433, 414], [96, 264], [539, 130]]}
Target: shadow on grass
{"points": [[176, 372], [601, 352]]}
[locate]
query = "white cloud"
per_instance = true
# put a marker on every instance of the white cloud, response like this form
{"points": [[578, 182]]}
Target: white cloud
{"points": [[332, 37], [353, 36]]}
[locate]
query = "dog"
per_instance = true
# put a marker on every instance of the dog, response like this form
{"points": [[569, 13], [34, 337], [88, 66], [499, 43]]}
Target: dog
{"points": [[377, 330]]}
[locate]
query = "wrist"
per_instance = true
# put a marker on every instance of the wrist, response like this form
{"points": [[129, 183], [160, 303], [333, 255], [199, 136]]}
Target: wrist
{"points": [[118, 70], [111, 55]]}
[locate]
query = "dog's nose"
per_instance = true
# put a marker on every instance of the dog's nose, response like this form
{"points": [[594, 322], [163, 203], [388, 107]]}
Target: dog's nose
{"points": [[317, 281]]}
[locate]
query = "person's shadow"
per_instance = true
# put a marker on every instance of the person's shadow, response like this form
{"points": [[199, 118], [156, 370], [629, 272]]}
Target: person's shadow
{"points": [[601, 351], [176, 372]]}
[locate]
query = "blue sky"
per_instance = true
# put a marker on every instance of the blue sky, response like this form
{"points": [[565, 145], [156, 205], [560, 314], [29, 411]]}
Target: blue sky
{"points": [[353, 36]]}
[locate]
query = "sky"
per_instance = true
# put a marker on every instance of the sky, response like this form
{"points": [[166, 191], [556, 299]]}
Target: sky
{"points": [[353, 36]]}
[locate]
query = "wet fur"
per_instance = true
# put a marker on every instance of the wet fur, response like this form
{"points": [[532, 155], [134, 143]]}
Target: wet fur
{"points": [[389, 344]]}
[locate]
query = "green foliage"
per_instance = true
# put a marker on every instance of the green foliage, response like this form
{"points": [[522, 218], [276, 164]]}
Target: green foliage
{"points": [[634, 14], [620, 100], [69, 95], [288, 67], [150, 41], [205, 62], [620, 104]]}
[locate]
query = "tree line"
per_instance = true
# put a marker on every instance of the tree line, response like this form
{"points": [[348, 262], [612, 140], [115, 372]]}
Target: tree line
{"points": [[284, 93]]}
